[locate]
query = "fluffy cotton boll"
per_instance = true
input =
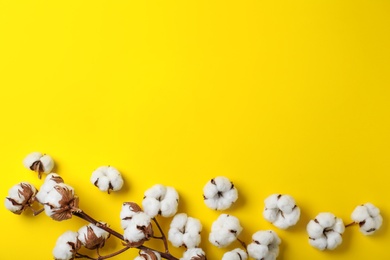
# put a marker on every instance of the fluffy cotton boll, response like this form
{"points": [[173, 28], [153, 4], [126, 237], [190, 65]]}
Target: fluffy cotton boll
{"points": [[194, 254], [40, 163], [61, 202], [66, 246], [160, 200], [151, 206], [139, 228], [219, 193], [129, 210], [184, 231], [170, 203], [20, 197], [50, 181], [325, 231], [107, 178], [148, 255], [368, 217], [92, 237], [224, 230], [265, 245], [281, 210], [236, 254]]}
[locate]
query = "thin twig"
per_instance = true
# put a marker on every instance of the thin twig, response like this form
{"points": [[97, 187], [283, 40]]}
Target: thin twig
{"points": [[351, 224], [163, 238]]}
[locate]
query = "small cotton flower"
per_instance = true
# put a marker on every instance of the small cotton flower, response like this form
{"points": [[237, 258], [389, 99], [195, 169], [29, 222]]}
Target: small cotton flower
{"points": [[265, 245], [51, 180], [194, 254], [61, 202], [219, 193], [148, 255], [107, 178], [184, 231], [368, 217], [281, 211], [40, 163], [66, 246], [92, 237], [325, 231], [161, 200], [224, 230], [236, 254], [20, 197]]}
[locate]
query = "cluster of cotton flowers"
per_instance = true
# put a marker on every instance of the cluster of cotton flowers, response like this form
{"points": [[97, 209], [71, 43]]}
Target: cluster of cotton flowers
{"points": [[38, 162], [148, 255], [194, 254], [160, 200], [235, 254], [184, 231], [264, 246], [224, 230], [20, 197], [281, 211], [136, 224], [325, 231], [368, 217], [107, 178], [219, 193]]}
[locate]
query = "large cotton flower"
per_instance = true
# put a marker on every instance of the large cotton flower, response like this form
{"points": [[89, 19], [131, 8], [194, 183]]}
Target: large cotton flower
{"points": [[236, 254], [325, 231], [281, 210], [51, 180], [224, 230], [107, 178], [194, 254], [61, 202], [162, 200], [219, 193], [184, 231], [66, 246], [265, 245], [20, 197], [92, 237], [40, 163], [368, 217]]}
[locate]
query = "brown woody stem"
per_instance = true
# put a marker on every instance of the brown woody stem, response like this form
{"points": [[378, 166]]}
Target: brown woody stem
{"points": [[351, 224], [163, 238]]}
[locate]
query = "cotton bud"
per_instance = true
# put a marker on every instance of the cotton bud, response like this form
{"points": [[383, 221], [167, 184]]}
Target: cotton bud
{"points": [[129, 210], [184, 231], [224, 230], [194, 254], [40, 163], [281, 210], [161, 200], [265, 245], [148, 255], [368, 217], [325, 231], [92, 237], [66, 246], [236, 254], [61, 202], [107, 178], [20, 197], [219, 193], [51, 180]]}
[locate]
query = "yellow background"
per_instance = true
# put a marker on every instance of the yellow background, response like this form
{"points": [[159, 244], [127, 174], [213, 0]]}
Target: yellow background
{"points": [[280, 96]]}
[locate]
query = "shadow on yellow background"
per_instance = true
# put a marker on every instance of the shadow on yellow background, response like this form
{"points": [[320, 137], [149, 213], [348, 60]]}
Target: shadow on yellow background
{"points": [[279, 96]]}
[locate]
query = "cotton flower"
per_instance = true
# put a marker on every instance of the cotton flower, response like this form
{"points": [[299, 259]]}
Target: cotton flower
{"points": [[61, 202], [281, 210], [66, 246], [51, 180], [368, 217], [148, 255], [325, 231], [224, 230], [161, 200], [20, 197], [92, 237], [184, 231], [107, 178], [265, 245], [194, 254], [40, 163], [136, 224], [236, 254], [219, 193]]}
